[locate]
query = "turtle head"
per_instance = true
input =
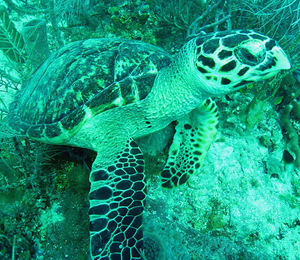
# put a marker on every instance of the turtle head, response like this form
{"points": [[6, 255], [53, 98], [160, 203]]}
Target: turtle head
{"points": [[228, 61]]}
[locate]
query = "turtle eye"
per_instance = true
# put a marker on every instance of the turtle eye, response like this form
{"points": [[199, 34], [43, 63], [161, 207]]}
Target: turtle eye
{"points": [[250, 52], [246, 57]]}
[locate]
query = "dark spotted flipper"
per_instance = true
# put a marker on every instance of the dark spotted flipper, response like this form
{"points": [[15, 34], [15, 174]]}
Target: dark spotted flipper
{"points": [[194, 135], [117, 200]]}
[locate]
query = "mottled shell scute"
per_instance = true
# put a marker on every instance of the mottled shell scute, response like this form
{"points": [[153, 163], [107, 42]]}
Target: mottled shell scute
{"points": [[81, 80], [36, 131]]}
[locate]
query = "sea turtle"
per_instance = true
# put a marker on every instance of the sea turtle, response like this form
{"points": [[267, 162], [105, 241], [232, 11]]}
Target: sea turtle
{"points": [[103, 94]]}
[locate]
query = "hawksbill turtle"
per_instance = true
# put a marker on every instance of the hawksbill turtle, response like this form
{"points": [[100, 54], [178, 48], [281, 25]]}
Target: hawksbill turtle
{"points": [[103, 94]]}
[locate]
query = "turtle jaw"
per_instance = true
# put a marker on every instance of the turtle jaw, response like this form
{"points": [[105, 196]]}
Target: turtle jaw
{"points": [[279, 57], [275, 61], [283, 60]]}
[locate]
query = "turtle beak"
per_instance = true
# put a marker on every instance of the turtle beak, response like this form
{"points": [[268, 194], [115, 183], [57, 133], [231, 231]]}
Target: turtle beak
{"points": [[276, 61], [282, 62]]}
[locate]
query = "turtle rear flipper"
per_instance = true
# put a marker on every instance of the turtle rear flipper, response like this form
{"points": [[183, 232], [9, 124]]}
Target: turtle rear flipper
{"points": [[194, 135], [117, 200]]}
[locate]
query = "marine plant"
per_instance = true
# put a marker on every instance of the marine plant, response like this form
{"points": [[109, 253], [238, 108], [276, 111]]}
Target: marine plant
{"points": [[11, 41], [59, 35]]}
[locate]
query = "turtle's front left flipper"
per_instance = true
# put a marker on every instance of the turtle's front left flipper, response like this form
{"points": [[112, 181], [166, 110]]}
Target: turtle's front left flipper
{"points": [[117, 200], [194, 135]]}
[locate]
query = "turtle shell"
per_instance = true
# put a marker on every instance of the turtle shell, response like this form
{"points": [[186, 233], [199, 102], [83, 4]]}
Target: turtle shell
{"points": [[81, 80]]}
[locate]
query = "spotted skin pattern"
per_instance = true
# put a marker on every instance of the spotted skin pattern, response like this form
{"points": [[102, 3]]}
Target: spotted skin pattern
{"points": [[194, 135], [117, 201], [226, 58]]}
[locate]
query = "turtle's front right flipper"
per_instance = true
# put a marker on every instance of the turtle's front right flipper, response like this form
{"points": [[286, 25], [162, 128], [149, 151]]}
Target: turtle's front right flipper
{"points": [[117, 200], [194, 135]]}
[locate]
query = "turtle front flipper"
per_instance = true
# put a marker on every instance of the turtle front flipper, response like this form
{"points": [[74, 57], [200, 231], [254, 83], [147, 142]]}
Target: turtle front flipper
{"points": [[117, 200], [194, 134]]}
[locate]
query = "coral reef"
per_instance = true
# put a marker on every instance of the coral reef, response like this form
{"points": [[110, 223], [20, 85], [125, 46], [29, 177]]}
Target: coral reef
{"points": [[243, 204]]}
